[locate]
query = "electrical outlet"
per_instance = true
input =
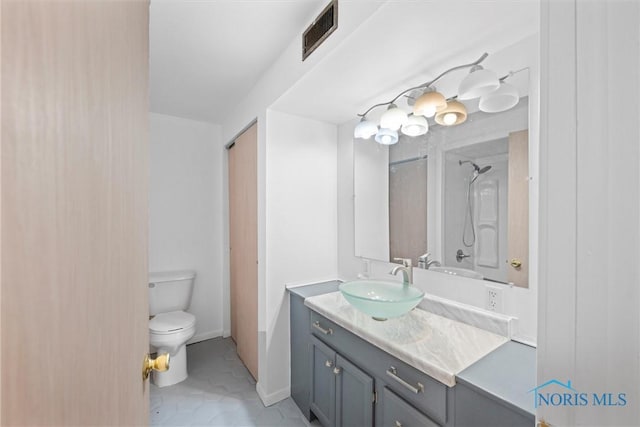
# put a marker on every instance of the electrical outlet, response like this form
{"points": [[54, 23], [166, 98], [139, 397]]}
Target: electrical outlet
{"points": [[365, 269], [493, 298]]}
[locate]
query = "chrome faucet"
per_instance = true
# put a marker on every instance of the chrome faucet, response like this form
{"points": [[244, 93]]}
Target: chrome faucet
{"points": [[425, 261], [407, 271]]}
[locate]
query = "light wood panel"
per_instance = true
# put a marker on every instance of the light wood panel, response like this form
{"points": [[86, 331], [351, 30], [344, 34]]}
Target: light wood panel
{"points": [[408, 210], [0, 218], [518, 208], [243, 237], [74, 212], [233, 288]]}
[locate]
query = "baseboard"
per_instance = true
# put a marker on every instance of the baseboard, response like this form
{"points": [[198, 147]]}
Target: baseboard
{"points": [[226, 334], [270, 399], [203, 336]]}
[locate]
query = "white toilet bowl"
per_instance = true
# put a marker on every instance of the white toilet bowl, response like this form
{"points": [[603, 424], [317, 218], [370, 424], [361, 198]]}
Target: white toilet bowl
{"points": [[168, 333]]}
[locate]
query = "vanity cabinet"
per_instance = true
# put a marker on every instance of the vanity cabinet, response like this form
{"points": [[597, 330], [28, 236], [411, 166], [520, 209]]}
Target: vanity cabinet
{"points": [[341, 394], [418, 390], [493, 391], [346, 381], [300, 339], [398, 413], [476, 409]]}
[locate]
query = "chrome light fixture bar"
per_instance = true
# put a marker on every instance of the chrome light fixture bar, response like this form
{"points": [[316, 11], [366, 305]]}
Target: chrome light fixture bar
{"points": [[495, 96]]}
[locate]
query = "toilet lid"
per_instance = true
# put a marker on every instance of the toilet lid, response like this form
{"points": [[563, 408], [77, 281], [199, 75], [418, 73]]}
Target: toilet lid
{"points": [[166, 323]]}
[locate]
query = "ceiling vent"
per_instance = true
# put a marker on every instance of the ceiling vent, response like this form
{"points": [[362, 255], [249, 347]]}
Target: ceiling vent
{"points": [[325, 24]]}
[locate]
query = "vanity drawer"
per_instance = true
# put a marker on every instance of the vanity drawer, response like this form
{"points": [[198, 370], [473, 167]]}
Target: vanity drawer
{"points": [[414, 386], [325, 329], [398, 413], [417, 388]]}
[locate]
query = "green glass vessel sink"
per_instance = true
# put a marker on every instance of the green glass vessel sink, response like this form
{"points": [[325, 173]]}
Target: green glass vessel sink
{"points": [[381, 300]]}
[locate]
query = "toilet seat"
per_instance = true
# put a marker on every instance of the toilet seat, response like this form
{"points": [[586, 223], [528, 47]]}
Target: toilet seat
{"points": [[172, 322]]}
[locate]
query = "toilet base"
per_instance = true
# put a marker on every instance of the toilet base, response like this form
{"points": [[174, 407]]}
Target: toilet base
{"points": [[177, 371]]}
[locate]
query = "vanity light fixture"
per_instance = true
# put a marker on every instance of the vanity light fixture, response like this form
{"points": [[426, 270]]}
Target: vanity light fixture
{"points": [[387, 136], [496, 96], [501, 99], [393, 118], [365, 129], [429, 103], [477, 83], [454, 114], [415, 126]]}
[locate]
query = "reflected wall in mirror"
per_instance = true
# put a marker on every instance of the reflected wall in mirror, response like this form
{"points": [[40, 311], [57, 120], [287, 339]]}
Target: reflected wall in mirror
{"points": [[486, 202], [459, 193]]}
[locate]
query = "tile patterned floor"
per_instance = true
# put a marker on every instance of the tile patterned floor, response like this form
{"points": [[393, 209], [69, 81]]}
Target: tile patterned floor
{"points": [[219, 392]]}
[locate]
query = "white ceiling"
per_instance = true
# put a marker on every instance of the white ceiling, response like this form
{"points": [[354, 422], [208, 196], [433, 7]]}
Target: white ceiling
{"points": [[407, 43], [205, 54]]}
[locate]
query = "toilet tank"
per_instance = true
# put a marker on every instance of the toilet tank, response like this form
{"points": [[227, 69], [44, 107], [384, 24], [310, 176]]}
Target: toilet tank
{"points": [[170, 291]]}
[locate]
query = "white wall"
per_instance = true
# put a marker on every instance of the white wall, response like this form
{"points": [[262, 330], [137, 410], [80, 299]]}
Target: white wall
{"points": [[186, 213], [301, 224], [371, 167], [589, 330]]}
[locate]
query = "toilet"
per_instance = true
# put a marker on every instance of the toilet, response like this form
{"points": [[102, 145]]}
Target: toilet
{"points": [[170, 326]]}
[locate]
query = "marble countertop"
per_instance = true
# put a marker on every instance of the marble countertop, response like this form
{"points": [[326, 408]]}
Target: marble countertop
{"points": [[435, 345]]}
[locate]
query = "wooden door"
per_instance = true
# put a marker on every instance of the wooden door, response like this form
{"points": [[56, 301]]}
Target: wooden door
{"points": [[518, 208], [74, 171], [243, 237]]}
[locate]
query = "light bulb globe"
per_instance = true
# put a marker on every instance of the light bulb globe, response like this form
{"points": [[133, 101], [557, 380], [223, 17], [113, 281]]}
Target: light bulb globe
{"points": [[415, 126], [502, 99], [454, 114], [429, 103], [393, 118], [386, 136], [477, 83], [365, 129]]}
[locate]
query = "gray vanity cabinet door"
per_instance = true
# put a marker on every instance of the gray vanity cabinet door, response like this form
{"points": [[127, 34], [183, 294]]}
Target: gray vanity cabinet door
{"points": [[323, 383], [398, 413], [299, 337], [354, 395]]}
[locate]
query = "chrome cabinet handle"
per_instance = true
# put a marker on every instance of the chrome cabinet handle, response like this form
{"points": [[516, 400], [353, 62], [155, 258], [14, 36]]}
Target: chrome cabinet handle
{"points": [[336, 371], [393, 373], [328, 363], [398, 423], [327, 331]]}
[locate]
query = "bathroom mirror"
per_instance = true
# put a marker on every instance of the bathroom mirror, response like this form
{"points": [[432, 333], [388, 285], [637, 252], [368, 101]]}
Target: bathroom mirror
{"points": [[460, 193]]}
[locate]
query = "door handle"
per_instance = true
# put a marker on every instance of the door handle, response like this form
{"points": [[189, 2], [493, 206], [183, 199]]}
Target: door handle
{"points": [[160, 364], [516, 263]]}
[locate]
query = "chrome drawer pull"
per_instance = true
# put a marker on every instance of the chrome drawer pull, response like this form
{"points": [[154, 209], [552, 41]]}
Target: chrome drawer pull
{"points": [[398, 423], [327, 331], [328, 363], [393, 373]]}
